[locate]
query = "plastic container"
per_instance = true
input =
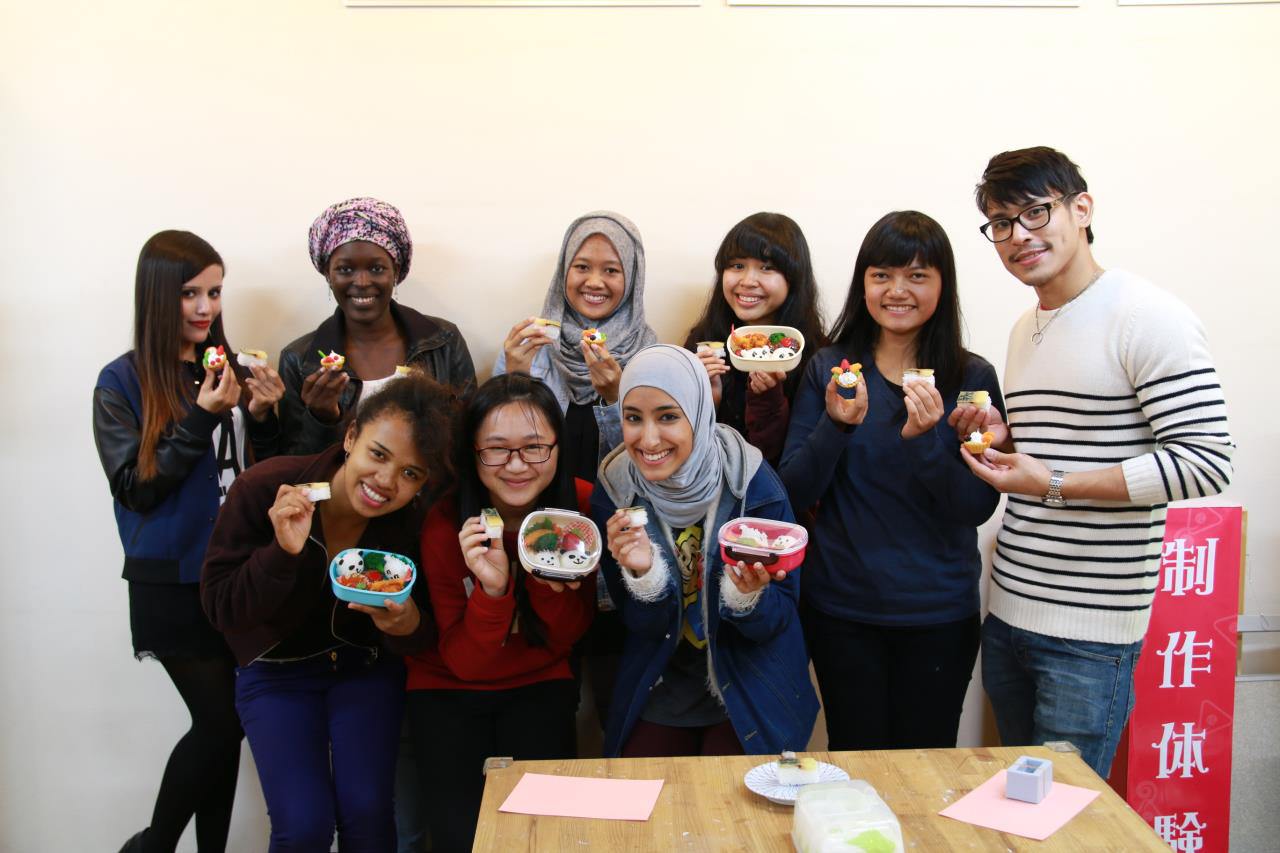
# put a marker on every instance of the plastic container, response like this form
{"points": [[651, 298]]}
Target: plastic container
{"points": [[781, 546], [546, 548], [844, 817], [355, 559], [767, 362]]}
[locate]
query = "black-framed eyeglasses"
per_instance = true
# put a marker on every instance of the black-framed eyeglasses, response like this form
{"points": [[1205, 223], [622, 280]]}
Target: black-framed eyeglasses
{"points": [[532, 454], [1032, 218]]}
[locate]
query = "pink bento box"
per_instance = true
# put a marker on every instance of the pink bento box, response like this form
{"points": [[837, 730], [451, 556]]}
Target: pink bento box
{"points": [[777, 545]]}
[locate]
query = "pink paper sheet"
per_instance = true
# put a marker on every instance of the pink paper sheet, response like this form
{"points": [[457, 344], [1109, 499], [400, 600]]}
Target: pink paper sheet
{"points": [[987, 806], [583, 796]]}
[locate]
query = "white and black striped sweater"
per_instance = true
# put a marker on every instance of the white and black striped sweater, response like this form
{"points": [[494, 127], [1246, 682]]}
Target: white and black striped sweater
{"points": [[1122, 376]]}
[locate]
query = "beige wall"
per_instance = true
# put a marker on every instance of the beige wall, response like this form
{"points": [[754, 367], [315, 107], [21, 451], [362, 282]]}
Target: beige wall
{"points": [[491, 129]]}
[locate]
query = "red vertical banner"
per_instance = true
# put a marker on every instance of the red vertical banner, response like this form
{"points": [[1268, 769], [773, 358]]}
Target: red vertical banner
{"points": [[1179, 737]]}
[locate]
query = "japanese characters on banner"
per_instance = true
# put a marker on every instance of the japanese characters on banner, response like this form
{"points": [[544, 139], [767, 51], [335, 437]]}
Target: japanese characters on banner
{"points": [[1179, 737]]}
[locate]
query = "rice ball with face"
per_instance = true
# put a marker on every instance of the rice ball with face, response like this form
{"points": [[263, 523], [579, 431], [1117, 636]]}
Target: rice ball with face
{"points": [[393, 568], [350, 563]]}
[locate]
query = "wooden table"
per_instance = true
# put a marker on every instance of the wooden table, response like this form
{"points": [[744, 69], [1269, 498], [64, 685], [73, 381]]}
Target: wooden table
{"points": [[705, 805]]}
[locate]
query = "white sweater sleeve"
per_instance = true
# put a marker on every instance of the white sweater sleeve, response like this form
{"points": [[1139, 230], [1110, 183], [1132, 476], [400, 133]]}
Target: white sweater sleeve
{"points": [[1166, 355]]}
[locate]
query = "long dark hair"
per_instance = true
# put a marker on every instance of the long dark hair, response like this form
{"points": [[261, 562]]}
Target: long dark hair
{"points": [[167, 261], [776, 238], [898, 239], [471, 495]]}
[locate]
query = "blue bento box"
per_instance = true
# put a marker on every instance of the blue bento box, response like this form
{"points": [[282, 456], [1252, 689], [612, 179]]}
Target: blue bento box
{"points": [[363, 561]]}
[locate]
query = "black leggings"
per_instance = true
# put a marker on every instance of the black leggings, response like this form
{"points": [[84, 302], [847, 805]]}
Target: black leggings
{"points": [[200, 778]]}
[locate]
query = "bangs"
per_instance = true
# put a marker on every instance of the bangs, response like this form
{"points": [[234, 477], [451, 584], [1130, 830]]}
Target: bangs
{"points": [[909, 239], [768, 237]]}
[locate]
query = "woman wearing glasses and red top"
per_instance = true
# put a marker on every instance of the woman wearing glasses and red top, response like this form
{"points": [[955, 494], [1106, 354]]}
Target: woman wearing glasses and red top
{"points": [[499, 681]]}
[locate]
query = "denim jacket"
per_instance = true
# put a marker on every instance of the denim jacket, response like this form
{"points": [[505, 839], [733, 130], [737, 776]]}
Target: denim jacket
{"points": [[759, 669]]}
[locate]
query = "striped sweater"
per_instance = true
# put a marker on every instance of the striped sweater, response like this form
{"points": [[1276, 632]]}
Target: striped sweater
{"points": [[1122, 376]]}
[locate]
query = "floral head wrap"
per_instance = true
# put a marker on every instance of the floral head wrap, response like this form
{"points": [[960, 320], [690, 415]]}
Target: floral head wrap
{"points": [[361, 219]]}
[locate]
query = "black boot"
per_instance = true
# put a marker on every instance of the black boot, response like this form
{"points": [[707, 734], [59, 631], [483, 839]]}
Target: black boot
{"points": [[134, 845]]}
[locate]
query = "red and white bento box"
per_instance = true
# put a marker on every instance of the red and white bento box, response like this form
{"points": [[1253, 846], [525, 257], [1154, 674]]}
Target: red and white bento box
{"points": [[777, 545]]}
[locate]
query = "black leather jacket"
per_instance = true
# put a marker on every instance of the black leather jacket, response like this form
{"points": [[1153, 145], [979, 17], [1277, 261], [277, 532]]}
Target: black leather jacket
{"points": [[434, 344]]}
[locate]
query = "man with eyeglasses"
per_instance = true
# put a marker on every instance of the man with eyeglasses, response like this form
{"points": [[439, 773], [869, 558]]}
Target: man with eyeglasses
{"points": [[1114, 410]]}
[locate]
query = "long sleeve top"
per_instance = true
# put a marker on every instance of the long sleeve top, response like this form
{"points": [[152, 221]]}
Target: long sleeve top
{"points": [[478, 649], [896, 539], [1123, 376]]}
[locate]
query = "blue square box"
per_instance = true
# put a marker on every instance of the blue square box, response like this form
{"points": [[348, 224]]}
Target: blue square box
{"points": [[1029, 779]]}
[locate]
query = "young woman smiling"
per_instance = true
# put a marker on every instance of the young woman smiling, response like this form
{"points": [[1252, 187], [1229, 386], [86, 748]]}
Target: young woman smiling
{"points": [[171, 436], [499, 681], [320, 687], [890, 599], [696, 627], [763, 277], [363, 249]]}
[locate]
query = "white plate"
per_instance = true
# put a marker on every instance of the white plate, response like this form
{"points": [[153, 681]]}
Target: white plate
{"points": [[763, 780]]}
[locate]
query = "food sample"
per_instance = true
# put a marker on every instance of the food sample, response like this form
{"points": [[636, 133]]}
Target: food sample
{"points": [[847, 375], [749, 536], [214, 358], [316, 491], [784, 542], [550, 328], [332, 361], [637, 516], [594, 336], [403, 370], [251, 358], [775, 346], [981, 399], [374, 571], [849, 817], [559, 545], [918, 374], [716, 347], [492, 522], [796, 771], [977, 442]]}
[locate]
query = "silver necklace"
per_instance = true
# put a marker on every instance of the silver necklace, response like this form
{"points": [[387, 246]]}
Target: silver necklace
{"points": [[1038, 335]]}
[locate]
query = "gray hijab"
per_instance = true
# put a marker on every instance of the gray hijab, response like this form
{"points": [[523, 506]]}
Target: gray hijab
{"points": [[721, 457], [625, 329]]}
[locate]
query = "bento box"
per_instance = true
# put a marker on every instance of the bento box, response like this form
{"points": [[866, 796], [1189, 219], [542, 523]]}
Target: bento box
{"points": [[558, 545], [756, 348], [777, 545], [366, 576]]}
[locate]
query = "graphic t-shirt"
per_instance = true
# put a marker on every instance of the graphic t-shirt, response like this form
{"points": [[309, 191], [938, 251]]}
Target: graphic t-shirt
{"points": [[682, 696]]}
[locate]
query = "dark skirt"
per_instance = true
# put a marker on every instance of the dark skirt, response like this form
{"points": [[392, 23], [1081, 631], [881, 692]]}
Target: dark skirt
{"points": [[168, 622]]}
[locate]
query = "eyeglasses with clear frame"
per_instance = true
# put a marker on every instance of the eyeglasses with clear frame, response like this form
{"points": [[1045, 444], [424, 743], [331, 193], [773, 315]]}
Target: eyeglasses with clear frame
{"points": [[531, 454], [1032, 218]]}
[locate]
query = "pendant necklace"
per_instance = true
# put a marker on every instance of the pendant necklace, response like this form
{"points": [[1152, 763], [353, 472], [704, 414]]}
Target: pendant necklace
{"points": [[1038, 335]]}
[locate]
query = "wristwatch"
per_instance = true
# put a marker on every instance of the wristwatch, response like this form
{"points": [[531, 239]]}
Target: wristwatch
{"points": [[1054, 497]]}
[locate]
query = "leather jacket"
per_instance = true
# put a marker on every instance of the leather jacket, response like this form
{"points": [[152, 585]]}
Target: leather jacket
{"points": [[434, 344]]}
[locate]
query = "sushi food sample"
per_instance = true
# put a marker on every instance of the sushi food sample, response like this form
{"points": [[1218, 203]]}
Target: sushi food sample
{"points": [[367, 576], [558, 545], [251, 358], [637, 516], [777, 545], [332, 361], [215, 358], [316, 491], [847, 375], [594, 336], [980, 399], [765, 348], [716, 347], [793, 770], [492, 521], [918, 374], [977, 442], [550, 328]]}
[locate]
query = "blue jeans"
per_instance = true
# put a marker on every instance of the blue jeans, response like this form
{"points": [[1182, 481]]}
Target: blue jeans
{"points": [[324, 734], [1046, 688]]}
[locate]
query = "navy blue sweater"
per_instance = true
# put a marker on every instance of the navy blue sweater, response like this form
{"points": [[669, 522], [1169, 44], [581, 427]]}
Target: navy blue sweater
{"points": [[896, 540]]}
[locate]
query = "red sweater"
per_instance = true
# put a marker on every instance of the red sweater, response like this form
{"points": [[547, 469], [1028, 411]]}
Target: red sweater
{"points": [[475, 651]]}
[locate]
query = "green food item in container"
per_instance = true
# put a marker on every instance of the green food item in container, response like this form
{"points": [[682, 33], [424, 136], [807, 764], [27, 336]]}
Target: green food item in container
{"points": [[872, 841]]}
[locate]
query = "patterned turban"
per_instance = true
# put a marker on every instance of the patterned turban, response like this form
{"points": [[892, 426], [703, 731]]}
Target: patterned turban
{"points": [[361, 219]]}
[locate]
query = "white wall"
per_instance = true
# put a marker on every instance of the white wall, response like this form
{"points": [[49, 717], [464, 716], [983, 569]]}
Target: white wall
{"points": [[491, 129]]}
